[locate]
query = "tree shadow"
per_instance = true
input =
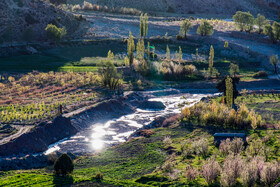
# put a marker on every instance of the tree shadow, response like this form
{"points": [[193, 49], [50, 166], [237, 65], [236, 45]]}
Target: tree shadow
{"points": [[62, 180]]}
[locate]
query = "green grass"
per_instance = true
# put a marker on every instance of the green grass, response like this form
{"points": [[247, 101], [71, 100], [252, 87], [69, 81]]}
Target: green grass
{"points": [[60, 58], [267, 105], [135, 163]]}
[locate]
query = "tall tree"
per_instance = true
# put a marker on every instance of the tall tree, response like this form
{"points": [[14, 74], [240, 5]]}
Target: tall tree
{"points": [[274, 61], [205, 28], [211, 60], [180, 54], [148, 51], [261, 21], [167, 53], [185, 27], [146, 20], [234, 69], [140, 49], [141, 25], [221, 86], [229, 91], [130, 48]]}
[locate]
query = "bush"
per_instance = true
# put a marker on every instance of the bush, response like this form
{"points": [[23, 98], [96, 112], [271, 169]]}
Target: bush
{"points": [[205, 29], [249, 175], [55, 33], [235, 146], [232, 169], [201, 147], [191, 173], [257, 148], [63, 165], [109, 76], [260, 74], [210, 170], [220, 115], [167, 141], [270, 173], [99, 176]]}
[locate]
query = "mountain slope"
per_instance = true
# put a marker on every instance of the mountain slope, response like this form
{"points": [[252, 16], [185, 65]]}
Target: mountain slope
{"points": [[222, 7], [26, 19]]}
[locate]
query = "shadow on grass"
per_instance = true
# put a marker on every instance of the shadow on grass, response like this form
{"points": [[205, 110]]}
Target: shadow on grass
{"points": [[61, 180]]}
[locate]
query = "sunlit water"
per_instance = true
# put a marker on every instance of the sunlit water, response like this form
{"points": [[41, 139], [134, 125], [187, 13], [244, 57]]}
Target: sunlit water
{"points": [[101, 135]]}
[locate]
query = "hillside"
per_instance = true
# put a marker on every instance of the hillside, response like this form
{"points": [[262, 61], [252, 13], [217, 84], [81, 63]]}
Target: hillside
{"points": [[22, 20], [229, 7]]}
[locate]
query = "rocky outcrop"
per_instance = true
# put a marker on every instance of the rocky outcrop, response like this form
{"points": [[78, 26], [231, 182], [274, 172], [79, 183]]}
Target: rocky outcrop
{"points": [[39, 138]]}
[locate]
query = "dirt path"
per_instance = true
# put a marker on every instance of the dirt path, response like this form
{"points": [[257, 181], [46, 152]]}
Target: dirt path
{"points": [[21, 130]]}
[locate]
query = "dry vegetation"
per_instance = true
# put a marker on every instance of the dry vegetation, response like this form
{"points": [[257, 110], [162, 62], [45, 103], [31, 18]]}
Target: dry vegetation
{"points": [[36, 96]]}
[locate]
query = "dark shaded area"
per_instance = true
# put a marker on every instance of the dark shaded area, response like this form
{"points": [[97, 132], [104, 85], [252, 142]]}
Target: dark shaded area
{"points": [[40, 137], [61, 181]]}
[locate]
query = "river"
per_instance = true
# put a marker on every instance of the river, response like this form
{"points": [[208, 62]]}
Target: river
{"points": [[99, 136]]}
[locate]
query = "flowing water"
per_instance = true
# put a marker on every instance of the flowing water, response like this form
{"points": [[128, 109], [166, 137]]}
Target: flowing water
{"points": [[101, 135]]}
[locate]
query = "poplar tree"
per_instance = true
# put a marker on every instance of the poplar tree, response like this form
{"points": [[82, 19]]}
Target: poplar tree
{"points": [[176, 55], [148, 51], [141, 25], [130, 48], [146, 19], [211, 60], [140, 49], [229, 92], [167, 53], [180, 54]]}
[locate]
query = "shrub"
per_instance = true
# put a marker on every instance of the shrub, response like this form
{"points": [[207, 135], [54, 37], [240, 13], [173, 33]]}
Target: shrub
{"points": [[167, 141], [211, 170], [236, 146], [260, 74], [63, 165], [224, 147], [201, 147], [259, 161], [270, 173], [257, 148], [186, 149], [220, 115], [55, 33], [249, 174], [191, 173], [109, 76], [205, 29], [232, 168], [99, 176]]}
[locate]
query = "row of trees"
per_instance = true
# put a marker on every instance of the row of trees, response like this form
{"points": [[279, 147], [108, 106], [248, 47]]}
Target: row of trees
{"points": [[246, 22], [204, 29], [144, 25]]}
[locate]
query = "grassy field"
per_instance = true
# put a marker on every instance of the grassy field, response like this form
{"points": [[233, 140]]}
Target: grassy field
{"points": [[58, 59], [268, 105], [160, 158]]}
